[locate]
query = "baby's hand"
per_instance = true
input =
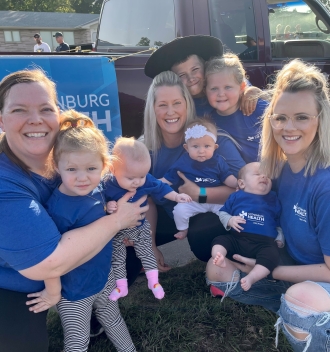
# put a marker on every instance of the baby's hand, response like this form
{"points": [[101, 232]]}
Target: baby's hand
{"points": [[112, 207], [43, 301], [182, 198], [280, 244], [234, 222]]}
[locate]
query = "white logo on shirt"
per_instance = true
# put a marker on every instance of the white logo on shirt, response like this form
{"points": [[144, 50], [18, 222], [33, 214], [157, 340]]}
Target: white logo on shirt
{"points": [[257, 219], [201, 179], [300, 212], [252, 138]]}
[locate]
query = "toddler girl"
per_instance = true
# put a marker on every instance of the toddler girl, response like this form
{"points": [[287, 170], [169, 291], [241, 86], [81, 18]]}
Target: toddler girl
{"points": [[81, 157], [202, 166], [254, 209], [130, 165], [225, 83]]}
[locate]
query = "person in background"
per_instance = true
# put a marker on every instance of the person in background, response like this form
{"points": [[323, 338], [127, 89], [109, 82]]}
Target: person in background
{"points": [[63, 46], [40, 47]]}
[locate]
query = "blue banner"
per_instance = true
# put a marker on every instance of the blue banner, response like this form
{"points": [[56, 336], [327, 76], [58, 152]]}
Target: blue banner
{"points": [[87, 84]]}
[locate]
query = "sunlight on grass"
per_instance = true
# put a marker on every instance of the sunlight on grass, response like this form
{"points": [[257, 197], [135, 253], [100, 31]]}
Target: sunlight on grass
{"points": [[188, 319]]}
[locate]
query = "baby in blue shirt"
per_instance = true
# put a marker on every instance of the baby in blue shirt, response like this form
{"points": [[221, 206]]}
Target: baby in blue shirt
{"points": [[252, 214], [202, 166]]}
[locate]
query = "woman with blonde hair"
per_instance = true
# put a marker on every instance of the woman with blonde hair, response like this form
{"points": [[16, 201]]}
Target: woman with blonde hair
{"points": [[169, 109], [296, 153]]}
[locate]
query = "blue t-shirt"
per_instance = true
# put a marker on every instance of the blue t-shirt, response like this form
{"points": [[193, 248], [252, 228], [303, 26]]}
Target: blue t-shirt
{"points": [[209, 173], [244, 129], [153, 187], [28, 235], [305, 218], [71, 212], [203, 107], [261, 212]]}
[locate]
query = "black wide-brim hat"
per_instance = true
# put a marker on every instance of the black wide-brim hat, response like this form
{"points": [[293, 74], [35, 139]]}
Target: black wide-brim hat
{"points": [[179, 49]]}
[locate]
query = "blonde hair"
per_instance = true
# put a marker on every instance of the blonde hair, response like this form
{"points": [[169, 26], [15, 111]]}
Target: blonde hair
{"points": [[228, 62], [295, 77], [153, 137], [78, 133], [23, 76], [129, 149]]}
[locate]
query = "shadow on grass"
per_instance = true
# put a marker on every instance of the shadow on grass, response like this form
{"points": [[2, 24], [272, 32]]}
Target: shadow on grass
{"points": [[188, 319]]}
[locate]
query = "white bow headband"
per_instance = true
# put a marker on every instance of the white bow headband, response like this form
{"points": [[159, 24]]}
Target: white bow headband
{"points": [[198, 131]]}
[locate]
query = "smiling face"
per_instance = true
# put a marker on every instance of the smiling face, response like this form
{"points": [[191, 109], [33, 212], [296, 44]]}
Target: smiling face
{"points": [[295, 142], [223, 92], [191, 73], [80, 172], [171, 111], [253, 181], [201, 149], [30, 118], [131, 174]]}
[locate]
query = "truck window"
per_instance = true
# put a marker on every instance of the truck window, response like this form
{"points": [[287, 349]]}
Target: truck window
{"points": [[142, 23], [233, 22], [295, 32]]}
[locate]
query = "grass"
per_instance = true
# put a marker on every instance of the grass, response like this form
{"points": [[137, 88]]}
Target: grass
{"points": [[188, 319]]}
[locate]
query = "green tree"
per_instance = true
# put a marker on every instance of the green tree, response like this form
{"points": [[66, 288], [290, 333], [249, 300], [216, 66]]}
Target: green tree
{"points": [[144, 41], [86, 6], [79, 6], [36, 5]]}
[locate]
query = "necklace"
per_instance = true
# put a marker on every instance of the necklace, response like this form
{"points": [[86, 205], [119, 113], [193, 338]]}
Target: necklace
{"points": [[103, 201]]}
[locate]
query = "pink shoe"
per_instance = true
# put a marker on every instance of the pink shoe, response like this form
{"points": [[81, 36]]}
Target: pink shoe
{"points": [[215, 292]]}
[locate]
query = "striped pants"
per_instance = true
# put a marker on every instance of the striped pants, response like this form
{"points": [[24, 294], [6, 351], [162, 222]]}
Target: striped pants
{"points": [[75, 317], [143, 248]]}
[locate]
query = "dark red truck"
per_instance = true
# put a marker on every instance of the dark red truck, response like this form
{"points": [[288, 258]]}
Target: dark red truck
{"points": [[265, 34]]}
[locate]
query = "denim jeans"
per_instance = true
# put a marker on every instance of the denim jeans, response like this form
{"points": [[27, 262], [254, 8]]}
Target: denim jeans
{"points": [[263, 293], [270, 295], [317, 325]]}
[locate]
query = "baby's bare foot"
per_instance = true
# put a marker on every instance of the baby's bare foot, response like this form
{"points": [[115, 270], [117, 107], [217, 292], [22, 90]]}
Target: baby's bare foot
{"points": [[181, 234], [219, 260], [246, 283]]}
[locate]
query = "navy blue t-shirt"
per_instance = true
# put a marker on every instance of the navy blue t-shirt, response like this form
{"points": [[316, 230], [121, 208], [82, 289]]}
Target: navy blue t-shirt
{"points": [[261, 212], [244, 129], [305, 218], [72, 212], [203, 107], [153, 187], [209, 173], [167, 157], [28, 235]]}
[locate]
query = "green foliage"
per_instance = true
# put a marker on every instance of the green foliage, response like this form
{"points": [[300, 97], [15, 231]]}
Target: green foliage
{"points": [[78, 6], [188, 319]]}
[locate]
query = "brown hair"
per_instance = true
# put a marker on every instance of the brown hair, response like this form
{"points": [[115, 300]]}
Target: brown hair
{"points": [[78, 133], [24, 76]]}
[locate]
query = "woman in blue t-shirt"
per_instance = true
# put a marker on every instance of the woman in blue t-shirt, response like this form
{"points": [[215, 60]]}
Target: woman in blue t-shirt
{"points": [[31, 247], [296, 153], [169, 109]]}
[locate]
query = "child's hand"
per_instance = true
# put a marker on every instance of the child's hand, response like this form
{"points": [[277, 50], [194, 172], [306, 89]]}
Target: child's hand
{"points": [[182, 198], [280, 244], [112, 206], [43, 301], [234, 222]]}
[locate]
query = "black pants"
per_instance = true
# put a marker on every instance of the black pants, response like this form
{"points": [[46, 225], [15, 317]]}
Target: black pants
{"points": [[20, 329]]}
